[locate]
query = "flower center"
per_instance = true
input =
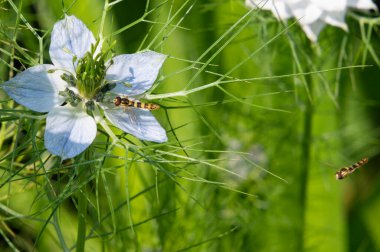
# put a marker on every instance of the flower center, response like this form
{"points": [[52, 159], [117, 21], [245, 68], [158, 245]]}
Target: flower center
{"points": [[90, 73]]}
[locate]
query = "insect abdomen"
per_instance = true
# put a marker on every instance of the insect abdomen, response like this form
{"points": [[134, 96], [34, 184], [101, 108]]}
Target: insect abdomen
{"points": [[343, 172], [118, 101]]}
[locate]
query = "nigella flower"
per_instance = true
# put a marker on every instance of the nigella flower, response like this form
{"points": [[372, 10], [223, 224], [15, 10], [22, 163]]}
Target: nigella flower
{"points": [[312, 14], [79, 83]]}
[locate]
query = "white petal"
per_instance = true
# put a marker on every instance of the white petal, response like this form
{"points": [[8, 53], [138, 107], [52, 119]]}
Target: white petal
{"points": [[138, 71], [307, 14], [362, 4], [37, 89], [138, 122], [335, 19], [69, 131], [281, 10], [69, 37], [331, 5], [312, 30]]}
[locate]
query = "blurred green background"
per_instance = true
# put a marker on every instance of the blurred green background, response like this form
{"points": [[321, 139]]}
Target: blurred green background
{"points": [[251, 162]]}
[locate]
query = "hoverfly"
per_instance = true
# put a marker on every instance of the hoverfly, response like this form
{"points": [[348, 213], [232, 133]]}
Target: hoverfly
{"points": [[345, 171], [127, 103]]}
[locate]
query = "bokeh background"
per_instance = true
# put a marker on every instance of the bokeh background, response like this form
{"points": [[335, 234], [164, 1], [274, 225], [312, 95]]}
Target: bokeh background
{"points": [[251, 162]]}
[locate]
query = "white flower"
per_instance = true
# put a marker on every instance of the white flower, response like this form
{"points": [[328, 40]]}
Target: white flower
{"points": [[312, 14], [80, 80]]}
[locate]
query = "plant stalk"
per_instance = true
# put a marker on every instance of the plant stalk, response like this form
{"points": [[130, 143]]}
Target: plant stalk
{"points": [[82, 205]]}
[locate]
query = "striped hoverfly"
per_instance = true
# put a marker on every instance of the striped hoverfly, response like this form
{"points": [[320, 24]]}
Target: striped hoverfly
{"points": [[345, 171], [125, 102]]}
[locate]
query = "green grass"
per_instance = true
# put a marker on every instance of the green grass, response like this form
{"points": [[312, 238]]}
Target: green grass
{"points": [[259, 121]]}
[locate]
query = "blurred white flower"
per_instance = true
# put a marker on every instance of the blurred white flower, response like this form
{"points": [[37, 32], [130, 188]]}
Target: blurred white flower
{"points": [[77, 83], [312, 15]]}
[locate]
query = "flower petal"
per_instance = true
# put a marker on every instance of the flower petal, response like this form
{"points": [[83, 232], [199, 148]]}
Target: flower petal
{"points": [[328, 5], [69, 131], [69, 38], [134, 73], [37, 89], [307, 14], [279, 8], [138, 122], [362, 4], [312, 30], [335, 19]]}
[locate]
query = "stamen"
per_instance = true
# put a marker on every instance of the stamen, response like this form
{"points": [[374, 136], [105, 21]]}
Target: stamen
{"points": [[70, 79], [90, 74], [71, 97]]}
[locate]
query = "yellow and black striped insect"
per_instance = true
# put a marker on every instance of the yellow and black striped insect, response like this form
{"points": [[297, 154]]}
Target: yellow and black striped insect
{"points": [[345, 171], [126, 103]]}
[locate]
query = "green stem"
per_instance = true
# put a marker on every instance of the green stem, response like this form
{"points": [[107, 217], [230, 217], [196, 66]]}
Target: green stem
{"points": [[305, 161], [82, 210], [82, 206], [306, 139], [105, 9], [59, 231], [51, 196]]}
